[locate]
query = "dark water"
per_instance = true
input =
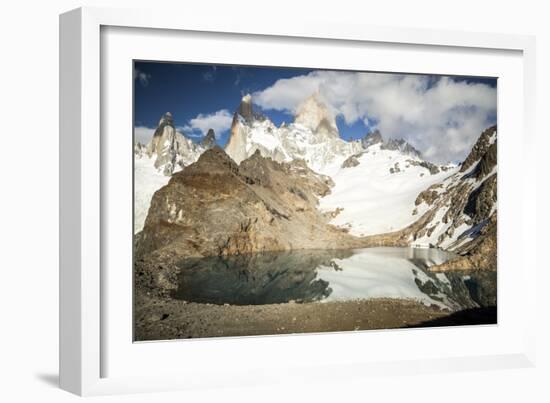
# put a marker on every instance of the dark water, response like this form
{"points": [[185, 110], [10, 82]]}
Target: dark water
{"points": [[322, 275]]}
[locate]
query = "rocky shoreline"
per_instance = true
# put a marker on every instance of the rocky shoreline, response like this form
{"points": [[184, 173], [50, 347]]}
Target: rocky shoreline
{"points": [[166, 318]]}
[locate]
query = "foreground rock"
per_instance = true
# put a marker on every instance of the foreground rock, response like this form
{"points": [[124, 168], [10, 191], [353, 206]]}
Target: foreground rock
{"points": [[215, 207]]}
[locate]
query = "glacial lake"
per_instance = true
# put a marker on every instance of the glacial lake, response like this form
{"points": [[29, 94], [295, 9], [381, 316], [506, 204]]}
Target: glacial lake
{"points": [[307, 276]]}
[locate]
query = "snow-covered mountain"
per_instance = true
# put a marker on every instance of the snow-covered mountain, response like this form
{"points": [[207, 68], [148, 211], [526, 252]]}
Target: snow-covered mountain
{"points": [[171, 150], [377, 181], [167, 152], [375, 190], [392, 191], [312, 137], [461, 206]]}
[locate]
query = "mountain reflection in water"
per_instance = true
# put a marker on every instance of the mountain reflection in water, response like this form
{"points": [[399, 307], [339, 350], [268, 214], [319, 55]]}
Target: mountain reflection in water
{"points": [[331, 275]]}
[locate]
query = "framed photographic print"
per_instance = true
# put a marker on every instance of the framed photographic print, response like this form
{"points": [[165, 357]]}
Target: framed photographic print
{"points": [[345, 188]]}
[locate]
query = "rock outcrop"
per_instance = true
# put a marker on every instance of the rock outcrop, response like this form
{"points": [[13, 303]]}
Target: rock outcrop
{"points": [[215, 207], [480, 148], [351, 162], [372, 138], [401, 145], [479, 254]]}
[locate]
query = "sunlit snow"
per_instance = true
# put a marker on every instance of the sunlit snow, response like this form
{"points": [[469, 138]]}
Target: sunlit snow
{"points": [[375, 201]]}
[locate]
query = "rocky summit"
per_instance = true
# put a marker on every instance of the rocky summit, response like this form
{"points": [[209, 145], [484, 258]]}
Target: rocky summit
{"points": [[209, 140], [372, 138], [216, 207]]}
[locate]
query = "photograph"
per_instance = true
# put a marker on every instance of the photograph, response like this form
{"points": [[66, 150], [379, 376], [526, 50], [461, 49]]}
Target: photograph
{"points": [[273, 200], [287, 202]]}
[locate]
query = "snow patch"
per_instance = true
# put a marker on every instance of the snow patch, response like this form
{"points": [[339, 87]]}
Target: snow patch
{"points": [[375, 201], [147, 180]]}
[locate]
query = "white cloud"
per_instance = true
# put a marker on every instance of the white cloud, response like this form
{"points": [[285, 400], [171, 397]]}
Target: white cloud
{"points": [[443, 120], [143, 134], [219, 121], [210, 75], [142, 77], [190, 132]]}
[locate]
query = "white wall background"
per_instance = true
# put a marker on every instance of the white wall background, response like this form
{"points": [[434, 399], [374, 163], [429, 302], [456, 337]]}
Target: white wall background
{"points": [[29, 201]]}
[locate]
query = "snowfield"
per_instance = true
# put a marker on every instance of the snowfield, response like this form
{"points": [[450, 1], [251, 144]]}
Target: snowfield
{"points": [[147, 180], [375, 201]]}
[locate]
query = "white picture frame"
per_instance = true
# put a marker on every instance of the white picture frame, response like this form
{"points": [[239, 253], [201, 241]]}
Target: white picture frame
{"points": [[86, 345]]}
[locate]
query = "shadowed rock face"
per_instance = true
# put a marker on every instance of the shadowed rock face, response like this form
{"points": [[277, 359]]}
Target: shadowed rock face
{"points": [[487, 162], [372, 138], [480, 149], [216, 207], [401, 145], [209, 140], [350, 162], [479, 253]]}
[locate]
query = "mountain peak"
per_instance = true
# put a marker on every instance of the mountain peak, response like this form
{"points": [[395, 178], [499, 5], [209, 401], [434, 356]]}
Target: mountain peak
{"points": [[313, 137], [371, 138], [375, 137], [314, 114], [245, 108], [209, 140], [401, 145], [166, 119]]}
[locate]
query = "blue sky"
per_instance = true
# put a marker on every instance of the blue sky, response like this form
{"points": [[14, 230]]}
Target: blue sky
{"points": [[189, 90], [201, 95]]}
